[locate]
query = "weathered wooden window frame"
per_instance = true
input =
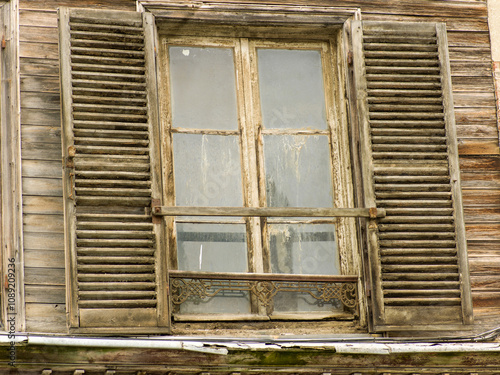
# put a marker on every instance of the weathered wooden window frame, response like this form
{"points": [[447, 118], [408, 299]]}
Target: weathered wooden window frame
{"points": [[324, 27]]}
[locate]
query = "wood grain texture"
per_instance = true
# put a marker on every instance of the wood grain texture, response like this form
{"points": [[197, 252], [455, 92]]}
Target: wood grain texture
{"points": [[45, 276], [46, 317]]}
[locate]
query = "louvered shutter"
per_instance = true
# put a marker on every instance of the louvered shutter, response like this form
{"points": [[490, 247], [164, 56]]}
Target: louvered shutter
{"points": [[109, 108], [417, 253]]}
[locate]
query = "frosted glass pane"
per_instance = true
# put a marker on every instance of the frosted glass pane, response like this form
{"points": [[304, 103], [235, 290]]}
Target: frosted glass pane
{"points": [[291, 89], [298, 171], [303, 249], [214, 248], [207, 170], [203, 88]]}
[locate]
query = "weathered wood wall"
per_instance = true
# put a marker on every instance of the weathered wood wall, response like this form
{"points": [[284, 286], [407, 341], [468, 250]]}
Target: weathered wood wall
{"points": [[41, 145]]}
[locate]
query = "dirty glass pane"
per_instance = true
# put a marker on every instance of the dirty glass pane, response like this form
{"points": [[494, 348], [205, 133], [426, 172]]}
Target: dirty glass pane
{"points": [[291, 89], [203, 88], [207, 170], [298, 171], [213, 248], [303, 249]]}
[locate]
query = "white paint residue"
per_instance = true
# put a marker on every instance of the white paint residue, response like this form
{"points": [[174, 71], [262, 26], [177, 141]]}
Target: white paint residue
{"points": [[201, 256], [185, 52]]}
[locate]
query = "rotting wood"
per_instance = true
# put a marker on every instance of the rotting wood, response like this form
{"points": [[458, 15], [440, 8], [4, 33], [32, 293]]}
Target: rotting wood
{"points": [[265, 211]]}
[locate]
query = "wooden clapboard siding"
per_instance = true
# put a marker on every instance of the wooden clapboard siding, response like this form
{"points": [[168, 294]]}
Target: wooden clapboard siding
{"points": [[41, 163], [47, 317], [475, 113], [481, 194]]}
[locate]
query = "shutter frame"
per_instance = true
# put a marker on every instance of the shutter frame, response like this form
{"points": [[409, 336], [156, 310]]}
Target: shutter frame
{"points": [[405, 316], [113, 137]]}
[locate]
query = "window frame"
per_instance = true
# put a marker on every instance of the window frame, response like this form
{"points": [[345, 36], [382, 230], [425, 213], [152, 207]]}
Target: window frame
{"points": [[331, 38]]}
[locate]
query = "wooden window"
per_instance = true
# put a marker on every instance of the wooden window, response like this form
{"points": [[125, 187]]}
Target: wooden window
{"points": [[231, 188], [253, 123]]}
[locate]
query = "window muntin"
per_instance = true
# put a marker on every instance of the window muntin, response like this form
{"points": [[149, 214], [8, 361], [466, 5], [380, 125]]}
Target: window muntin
{"points": [[284, 136]]}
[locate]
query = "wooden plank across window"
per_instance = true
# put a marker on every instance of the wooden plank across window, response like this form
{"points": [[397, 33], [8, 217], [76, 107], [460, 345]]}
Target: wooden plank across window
{"points": [[268, 211], [261, 276]]}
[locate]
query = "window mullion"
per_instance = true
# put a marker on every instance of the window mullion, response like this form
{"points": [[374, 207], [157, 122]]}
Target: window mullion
{"points": [[249, 126]]}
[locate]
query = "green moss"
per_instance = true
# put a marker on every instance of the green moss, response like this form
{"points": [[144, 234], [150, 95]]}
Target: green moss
{"points": [[283, 357]]}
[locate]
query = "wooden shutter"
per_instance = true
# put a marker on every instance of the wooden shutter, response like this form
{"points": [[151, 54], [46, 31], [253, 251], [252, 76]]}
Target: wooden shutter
{"points": [[417, 253], [109, 108]]}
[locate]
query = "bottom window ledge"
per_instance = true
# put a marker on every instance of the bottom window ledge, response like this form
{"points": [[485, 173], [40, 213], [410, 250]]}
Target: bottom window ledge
{"points": [[330, 315], [218, 317], [285, 316]]}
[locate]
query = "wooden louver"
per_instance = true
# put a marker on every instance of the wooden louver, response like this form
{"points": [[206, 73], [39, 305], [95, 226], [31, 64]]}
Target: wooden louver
{"points": [[418, 263], [108, 111]]}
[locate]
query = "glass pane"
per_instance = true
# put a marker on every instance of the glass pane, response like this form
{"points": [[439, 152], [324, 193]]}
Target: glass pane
{"points": [[213, 248], [298, 171], [303, 249], [203, 88], [207, 170], [291, 89]]}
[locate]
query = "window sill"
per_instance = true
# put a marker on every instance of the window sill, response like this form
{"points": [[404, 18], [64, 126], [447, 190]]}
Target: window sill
{"points": [[286, 316]]}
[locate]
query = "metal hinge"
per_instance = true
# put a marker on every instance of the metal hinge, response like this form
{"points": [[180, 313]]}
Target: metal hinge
{"points": [[154, 204]]}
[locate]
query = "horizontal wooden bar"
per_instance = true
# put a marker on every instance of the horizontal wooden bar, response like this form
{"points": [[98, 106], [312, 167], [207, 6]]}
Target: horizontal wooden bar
{"points": [[268, 211], [261, 276]]}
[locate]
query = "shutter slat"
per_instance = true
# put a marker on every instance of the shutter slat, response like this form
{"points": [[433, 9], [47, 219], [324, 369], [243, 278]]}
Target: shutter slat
{"points": [[87, 99], [80, 124], [98, 163], [115, 234], [115, 260], [424, 301], [421, 276], [116, 268], [106, 60], [115, 277], [100, 44], [405, 243], [108, 68], [102, 183], [106, 84], [122, 76], [114, 192], [119, 303], [98, 52], [416, 251], [422, 123], [106, 36], [413, 187], [417, 220], [416, 260], [416, 227], [131, 285], [111, 251]]}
